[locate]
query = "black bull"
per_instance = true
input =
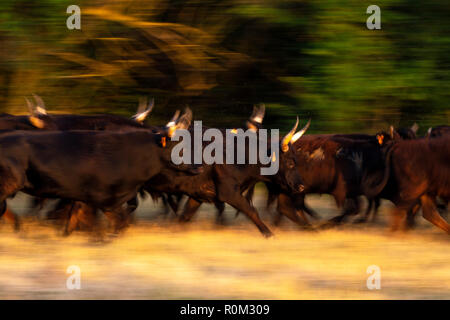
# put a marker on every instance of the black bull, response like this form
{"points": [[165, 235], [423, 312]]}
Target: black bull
{"points": [[225, 183], [102, 169], [41, 120]]}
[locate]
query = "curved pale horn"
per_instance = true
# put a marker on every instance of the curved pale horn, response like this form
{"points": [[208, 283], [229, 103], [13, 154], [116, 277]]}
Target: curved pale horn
{"points": [[299, 134], [142, 104], [391, 132], [144, 110], [30, 106], [150, 105], [415, 127], [185, 120], [287, 138], [174, 119], [258, 113], [40, 107]]}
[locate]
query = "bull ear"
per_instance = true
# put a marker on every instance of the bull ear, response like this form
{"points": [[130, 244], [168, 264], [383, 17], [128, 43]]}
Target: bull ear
{"points": [[144, 110], [287, 138], [40, 105], [380, 139], [36, 122], [414, 128], [299, 134]]}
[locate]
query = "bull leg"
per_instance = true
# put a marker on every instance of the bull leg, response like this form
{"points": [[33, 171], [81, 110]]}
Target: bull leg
{"points": [[87, 217], [249, 196], [377, 203], [442, 207], [9, 215], [236, 200], [278, 218], [37, 204], [72, 220], [117, 219], [365, 217], [430, 213], [190, 209], [286, 208], [165, 202], [13, 218], [174, 203], [310, 211], [301, 207], [130, 209], [220, 206], [398, 218], [61, 211], [348, 210], [411, 216]]}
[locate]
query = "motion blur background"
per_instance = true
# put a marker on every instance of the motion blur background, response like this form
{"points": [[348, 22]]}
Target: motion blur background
{"points": [[313, 58]]}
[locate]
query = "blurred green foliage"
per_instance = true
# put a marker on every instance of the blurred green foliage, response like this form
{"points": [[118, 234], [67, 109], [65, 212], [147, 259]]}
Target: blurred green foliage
{"points": [[312, 58]]}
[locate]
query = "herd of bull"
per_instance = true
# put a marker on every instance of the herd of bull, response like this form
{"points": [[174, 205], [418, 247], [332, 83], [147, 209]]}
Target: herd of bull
{"points": [[92, 163]]}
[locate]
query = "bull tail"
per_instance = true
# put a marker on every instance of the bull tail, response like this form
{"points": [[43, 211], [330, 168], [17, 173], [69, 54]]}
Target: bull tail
{"points": [[370, 190]]}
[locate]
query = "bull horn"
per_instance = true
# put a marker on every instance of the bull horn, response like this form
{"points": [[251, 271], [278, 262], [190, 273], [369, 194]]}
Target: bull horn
{"points": [[391, 131], [429, 130], [415, 127], [30, 106], [174, 119], [258, 113], [40, 108], [185, 120], [144, 110], [299, 134], [287, 138]]}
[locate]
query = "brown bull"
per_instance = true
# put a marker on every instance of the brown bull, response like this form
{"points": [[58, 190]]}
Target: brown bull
{"points": [[417, 172]]}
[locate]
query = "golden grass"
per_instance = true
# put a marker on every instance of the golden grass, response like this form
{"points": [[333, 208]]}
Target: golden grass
{"points": [[159, 259]]}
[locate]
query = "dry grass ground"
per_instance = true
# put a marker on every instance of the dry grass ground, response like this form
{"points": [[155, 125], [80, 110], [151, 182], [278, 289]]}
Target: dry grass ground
{"points": [[159, 259]]}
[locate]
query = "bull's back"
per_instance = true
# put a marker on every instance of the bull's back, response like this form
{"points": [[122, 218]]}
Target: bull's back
{"points": [[80, 165], [423, 166]]}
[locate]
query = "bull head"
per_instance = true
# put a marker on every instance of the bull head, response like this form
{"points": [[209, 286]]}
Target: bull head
{"points": [[143, 110]]}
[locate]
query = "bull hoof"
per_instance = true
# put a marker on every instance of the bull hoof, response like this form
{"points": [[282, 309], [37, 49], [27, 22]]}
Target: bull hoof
{"points": [[267, 234], [309, 228], [360, 220], [327, 225], [66, 233], [183, 219]]}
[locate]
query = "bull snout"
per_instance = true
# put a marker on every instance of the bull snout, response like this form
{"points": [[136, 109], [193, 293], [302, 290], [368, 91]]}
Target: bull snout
{"points": [[301, 188]]}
